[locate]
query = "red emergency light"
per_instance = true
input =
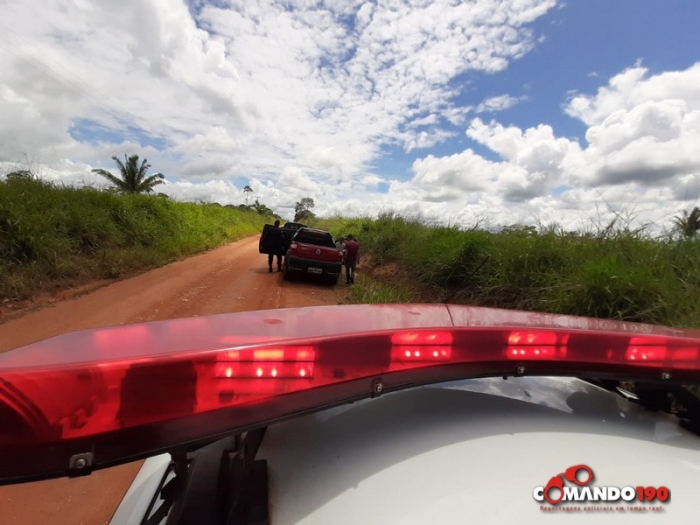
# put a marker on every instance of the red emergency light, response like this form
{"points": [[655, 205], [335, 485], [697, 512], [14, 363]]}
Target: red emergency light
{"points": [[117, 394]]}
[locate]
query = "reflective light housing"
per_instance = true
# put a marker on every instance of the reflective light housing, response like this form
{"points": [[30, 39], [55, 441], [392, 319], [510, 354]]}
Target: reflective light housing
{"points": [[422, 337], [283, 362], [131, 391], [527, 345]]}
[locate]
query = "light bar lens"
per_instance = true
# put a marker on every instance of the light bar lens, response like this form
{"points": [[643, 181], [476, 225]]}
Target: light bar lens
{"points": [[112, 394], [103, 392], [280, 354], [535, 345], [426, 337], [264, 370]]}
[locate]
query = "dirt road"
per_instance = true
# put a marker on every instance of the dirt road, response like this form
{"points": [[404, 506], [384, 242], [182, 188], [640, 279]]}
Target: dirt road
{"points": [[229, 279]]}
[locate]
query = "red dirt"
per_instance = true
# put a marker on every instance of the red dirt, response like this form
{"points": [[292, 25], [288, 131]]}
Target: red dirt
{"points": [[233, 278]]}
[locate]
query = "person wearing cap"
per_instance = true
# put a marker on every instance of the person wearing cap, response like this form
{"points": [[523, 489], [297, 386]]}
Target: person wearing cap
{"points": [[352, 258]]}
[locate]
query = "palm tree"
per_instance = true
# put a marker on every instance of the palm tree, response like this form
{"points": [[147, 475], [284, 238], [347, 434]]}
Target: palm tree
{"points": [[688, 223], [247, 189], [133, 177]]}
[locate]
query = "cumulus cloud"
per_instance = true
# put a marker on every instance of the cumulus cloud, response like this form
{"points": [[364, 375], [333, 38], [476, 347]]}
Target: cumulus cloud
{"points": [[464, 172], [633, 87], [302, 101], [246, 89], [640, 155], [498, 103], [642, 128]]}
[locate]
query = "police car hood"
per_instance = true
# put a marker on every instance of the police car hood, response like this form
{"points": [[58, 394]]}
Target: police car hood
{"points": [[476, 451]]}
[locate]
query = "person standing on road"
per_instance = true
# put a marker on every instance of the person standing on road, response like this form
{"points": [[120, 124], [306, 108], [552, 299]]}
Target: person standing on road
{"points": [[276, 243], [352, 258]]}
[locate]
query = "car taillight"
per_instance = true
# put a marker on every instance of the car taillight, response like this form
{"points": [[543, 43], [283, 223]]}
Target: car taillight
{"points": [[293, 246], [157, 385]]}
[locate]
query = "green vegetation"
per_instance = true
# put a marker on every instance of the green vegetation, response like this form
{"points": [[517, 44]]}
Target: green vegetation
{"points": [[688, 224], [247, 190], [371, 291], [614, 274], [53, 237], [132, 177], [261, 209], [303, 211]]}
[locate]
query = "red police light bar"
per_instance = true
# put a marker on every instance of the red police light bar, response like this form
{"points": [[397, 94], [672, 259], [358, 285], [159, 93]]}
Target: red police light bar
{"points": [[113, 395], [422, 337], [529, 344]]}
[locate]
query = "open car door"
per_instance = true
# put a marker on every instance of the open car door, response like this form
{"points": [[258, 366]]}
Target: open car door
{"points": [[262, 244]]}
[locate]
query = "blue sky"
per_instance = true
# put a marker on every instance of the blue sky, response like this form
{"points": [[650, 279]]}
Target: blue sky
{"points": [[501, 111]]}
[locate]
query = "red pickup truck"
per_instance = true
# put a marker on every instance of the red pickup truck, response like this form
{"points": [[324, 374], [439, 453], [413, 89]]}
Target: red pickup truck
{"points": [[313, 252]]}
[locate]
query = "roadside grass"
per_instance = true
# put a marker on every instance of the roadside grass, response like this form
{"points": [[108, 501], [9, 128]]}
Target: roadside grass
{"points": [[618, 274], [369, 290], [55, 237]]}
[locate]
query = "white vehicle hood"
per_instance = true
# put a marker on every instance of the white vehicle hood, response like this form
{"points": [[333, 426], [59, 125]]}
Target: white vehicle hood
{"points": [[475, 451]]}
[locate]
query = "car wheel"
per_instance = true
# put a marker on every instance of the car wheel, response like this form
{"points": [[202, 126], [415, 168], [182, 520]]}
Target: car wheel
{"points": [[286, 273]]}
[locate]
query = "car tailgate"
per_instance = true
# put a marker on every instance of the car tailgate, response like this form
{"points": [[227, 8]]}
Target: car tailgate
{"points": [[318, 253]]}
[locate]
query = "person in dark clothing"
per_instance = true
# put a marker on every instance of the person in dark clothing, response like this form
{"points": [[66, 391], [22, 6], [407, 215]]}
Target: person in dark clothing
{"points": [[276, 243], [352, 258]]}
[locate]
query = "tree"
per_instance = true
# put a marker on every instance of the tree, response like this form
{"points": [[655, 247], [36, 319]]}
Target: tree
{"points": [[21, 175], [261, 208], [688, 223], [133, 177], [247, 190], [303, 210], [520, 229]]}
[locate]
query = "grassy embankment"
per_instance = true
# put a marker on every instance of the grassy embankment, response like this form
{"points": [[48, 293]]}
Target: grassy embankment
{"points": [[624, 275], [54, 237]]}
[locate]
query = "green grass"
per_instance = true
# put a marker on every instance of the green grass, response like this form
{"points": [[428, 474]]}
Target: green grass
{"points": [[368, 290], [53, 237], [623, 274]]}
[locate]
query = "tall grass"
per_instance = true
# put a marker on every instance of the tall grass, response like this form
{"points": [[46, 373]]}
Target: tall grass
{"points": [[614, 274], [372, 291], [52, 237]]}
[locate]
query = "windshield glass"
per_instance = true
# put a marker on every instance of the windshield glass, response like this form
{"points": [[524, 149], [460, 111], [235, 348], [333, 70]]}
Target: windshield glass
{"points": [[315, 238]]}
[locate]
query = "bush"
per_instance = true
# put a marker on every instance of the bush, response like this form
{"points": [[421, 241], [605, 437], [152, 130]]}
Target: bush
{"points": [[63, 236], [612, 274]]}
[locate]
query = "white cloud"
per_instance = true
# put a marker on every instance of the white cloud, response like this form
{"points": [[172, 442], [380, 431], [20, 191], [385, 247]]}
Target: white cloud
{"points": [[246, 88], [299, 103], [641, 128], [640, 159], [534, 160], [633, 87], [461, 172], [498, 103]]}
